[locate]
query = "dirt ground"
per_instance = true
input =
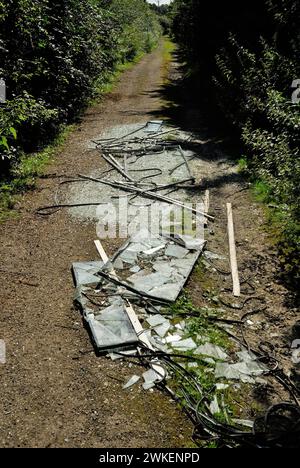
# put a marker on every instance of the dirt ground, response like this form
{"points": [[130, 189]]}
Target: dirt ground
{"points": [[55, 391], [52, 394]]}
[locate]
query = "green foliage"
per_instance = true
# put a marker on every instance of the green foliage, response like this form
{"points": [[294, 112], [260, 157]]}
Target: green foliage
{"points": [[52, 56], [22, 119], [254, 90], [199, 324], [243, 165], [164, 16], [250, 57]]}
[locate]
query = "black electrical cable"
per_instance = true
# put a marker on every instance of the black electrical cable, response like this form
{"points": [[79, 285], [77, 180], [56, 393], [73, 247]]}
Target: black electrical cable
{"points": [[241, 306], [206, 423], [131, 289]]}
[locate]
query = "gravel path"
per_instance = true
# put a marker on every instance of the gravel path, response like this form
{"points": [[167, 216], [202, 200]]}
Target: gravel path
{"points": [[55, 391]]}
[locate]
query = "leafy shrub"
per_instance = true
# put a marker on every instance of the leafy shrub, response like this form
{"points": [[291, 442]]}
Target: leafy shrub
{"points": [[250, 57], [254, 90], [22, 120]]}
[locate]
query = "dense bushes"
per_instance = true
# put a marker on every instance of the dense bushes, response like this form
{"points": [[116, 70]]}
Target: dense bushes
{"points": [[250, 59], [53, 53]]}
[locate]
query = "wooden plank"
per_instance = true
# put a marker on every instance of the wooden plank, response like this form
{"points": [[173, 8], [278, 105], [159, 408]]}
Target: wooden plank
{"points": [[233, 254], [121, 169], [137, 326], [146, 194], [139, 330], [206, 202], [111, 160]]}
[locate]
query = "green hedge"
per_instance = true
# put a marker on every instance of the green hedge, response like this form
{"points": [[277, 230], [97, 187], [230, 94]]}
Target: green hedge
{"points": [[249, 57], [53, 54], [141, 28]]}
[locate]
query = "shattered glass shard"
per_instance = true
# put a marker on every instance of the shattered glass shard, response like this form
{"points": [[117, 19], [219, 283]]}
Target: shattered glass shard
{"points": [[163, 329], [164, 268], [212, 350], [129, 256], [189, 242], [176, 251], [185, 345], [240, 371], [112, 328], [155, 320], [147, 283], [132, 381], [85, 272], [168, 292], [118, 264]]}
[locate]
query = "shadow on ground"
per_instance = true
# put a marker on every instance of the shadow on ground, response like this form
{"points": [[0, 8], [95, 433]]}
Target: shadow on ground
{"points": [[188, 106]]}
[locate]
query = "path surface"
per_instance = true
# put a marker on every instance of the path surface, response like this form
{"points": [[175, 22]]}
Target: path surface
{"points": [[51, 394], [54, 391]]}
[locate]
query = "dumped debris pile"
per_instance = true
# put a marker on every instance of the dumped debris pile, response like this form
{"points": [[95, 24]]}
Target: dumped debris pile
{"points": [[149, 272], [127, 300]]}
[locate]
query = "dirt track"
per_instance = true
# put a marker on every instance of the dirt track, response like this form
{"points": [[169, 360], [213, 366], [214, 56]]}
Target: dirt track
{"points": [[51, 394], [55, 393]]}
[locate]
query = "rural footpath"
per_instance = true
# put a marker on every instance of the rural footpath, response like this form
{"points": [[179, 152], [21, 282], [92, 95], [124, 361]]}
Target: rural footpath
{"points": [[56, 390]]}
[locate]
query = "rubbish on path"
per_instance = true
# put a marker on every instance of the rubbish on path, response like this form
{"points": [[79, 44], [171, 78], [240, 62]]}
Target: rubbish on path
{"points": [[110, 160], [151, 377], [190, 242], [155, 320], [115, 327], [246, 370], [146, 274], [132, 316], [154, 126], [163, 274], [173, 338], [85, 272], [108, 322], [111, 328], [163, 329], [176, 251]]}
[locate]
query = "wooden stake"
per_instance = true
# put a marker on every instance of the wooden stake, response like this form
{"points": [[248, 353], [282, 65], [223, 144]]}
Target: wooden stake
{"points": [[232, 251], [206, 202]]}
